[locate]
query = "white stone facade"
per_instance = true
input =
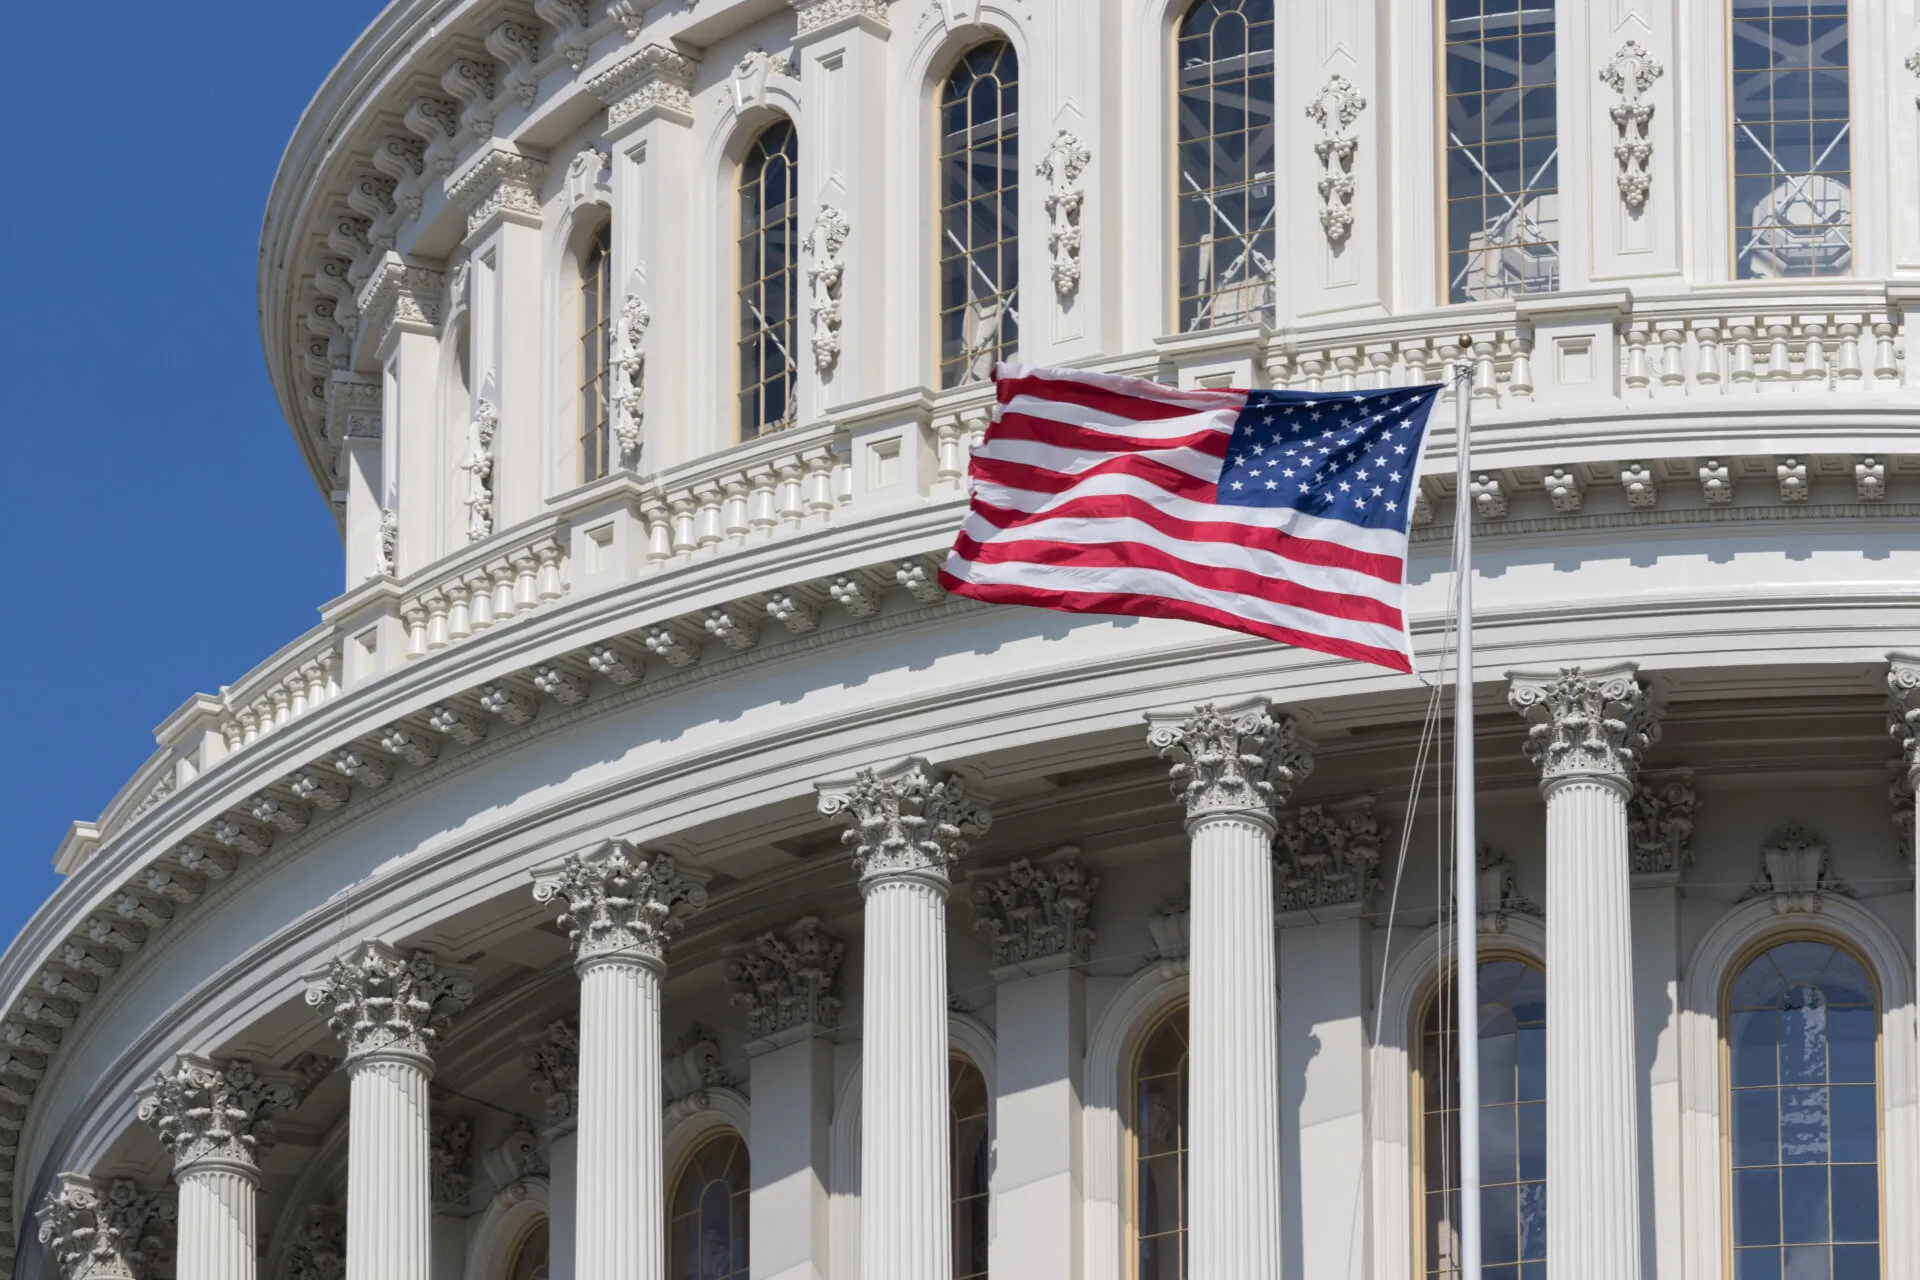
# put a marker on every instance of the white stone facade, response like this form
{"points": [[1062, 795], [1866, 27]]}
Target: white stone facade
{"points": [[516, 889]]}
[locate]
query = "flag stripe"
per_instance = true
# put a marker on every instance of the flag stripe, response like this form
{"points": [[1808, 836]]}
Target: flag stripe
{"points": [[1140, 466], [1194, 433]]}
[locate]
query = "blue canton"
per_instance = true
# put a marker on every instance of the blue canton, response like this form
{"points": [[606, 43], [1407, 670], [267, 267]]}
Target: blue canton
{"points": [[1341, 455]]}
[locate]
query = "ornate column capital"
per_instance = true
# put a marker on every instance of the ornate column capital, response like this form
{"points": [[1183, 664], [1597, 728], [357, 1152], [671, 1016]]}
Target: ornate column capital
{"points": [[222, 1112], [621, 903], [789, 983], [1036, 912], [1326, 857], [904, 821], [1232, 758], [1903, 709], [378, 1001], [103, 1232], [1585, 723], [652, 82], [500, 182]]}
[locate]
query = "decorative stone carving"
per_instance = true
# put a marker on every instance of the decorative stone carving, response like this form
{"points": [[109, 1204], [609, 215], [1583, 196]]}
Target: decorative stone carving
{"points": [[906, 820], [478, 463], [825, 244], [436, 122], [1903, 709], [1716, 483], [319, 1252], [1035, 912], [921, 579], [1870, 480], [1167, 926], [1231, 759], [750, 77], [499, 181], [1660, 824], [399, 294], [793, 611], [692, 1066], [379, 1001], [450, 1161], [409, 744], [570, 22], [589, 178], [628, 371], [518, 47], [1585, 725], [111, 1232], [1564, 490], [812, 16], [1630, 74], [389, 542], [473, 81], [1335, 109], [517, 1157], [560, 684], [629, 15], [619, 901], [1327, 856], [1792, 474], [508, 703], [1489, 497], [1062, 166], [613, 664], [1900, 797], [653, 81], [451, 720], [788, 982], [553, 1073], [206, 1110], [1643, 493], [1497, 891], [1795, 870], [855, 596]]}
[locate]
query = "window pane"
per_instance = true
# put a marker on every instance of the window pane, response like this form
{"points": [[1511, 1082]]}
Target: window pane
{"points": [[978, 178], [1224, 210], [769, 283], [1793, 199], [707, 1233], [1159, 1125], [596, 341]]}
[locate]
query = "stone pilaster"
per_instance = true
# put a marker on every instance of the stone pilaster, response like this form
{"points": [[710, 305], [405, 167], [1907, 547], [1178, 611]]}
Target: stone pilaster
{"points": [[1586, 731], [1232, 765], [389, 1010], [906, 827], [619, 906], [103, 1230]]}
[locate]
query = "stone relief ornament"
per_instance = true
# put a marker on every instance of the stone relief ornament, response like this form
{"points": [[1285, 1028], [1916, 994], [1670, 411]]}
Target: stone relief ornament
{"points": [[1232, 759], [517, 46], [205, 1110], [628, 366], [553, 1072], [1584, 725], [1900, 797], [824, 245], [906, 820], [570, 22], [1335, 109], [319, 1252], [589, 177], [1795, 870], [110, 1232], [377, 1000], [1167, 926], [654, 80], [1497, 891], [1660, 824], [1037, 911], [1913, 65], [1327, 856], [1062, 166], [693, 1066], [1630, 74], [1903, 709], [450, 1160], [620, 901], [389, 542], [814, 15], [478, 464], [791, 981], [750, 76]]}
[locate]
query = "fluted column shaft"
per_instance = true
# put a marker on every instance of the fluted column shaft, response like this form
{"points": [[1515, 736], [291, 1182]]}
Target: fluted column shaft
{"points": [[389, 1191], [1233, 1125], [905, 1201], [218, 1234], [621, 1212]]}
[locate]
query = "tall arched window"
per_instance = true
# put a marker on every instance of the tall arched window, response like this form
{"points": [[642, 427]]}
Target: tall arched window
{"points": [[530, 1258], [1802, 1071], [979, 214], [769, 284], [1792, 149], [707, 1220], [1502, 170], [1513, 1125], [967, 1114], [1224, 203], [596, 337], [1159, 1124]]}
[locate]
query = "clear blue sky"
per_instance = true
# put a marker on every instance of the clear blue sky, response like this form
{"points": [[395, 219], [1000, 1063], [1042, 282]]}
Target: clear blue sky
{"points": [[165, 536]]}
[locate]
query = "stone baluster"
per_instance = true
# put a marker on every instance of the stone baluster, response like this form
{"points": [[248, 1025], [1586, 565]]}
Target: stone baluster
{"points": [[526, 579], [1232, 765], [389, 1010], [459, 616], [1707, 371], [1673, 369], [1847, 363], [1886, 366], [1380, 367], [659, 532], [763, 513], [1779, 356], [552, 578], [1486, 376], [1740, 375], [906, 826], [684, 537], [619, 906], [1814, 360], [215, 1119], [734, 524], [1520, 376], [1586, 731], [103, 1231], [1637, 378]]}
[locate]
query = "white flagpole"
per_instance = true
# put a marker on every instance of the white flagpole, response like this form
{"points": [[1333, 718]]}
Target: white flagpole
{"points": [[1466, 915]]}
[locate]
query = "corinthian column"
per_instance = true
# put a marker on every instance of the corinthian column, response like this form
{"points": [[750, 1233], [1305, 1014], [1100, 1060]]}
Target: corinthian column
{"points": [[215, 1118], [1586, 731], [619, 905], [388, 1010], [1231, 766], [103, 1231], [905, 828]]}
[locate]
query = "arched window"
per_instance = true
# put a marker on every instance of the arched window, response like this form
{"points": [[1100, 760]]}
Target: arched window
{"points": [[1501, 175], [1513, 1125], [596, 338], [1159, 1124], [530, 1257], [967, 1115], [979, 214], [769, 284], [707, 1217], [1224, 203], [1792, 150], [1802, 1070]]}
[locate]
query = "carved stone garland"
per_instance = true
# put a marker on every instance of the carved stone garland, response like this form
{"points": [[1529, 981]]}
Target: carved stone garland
{"points": [[115, 1232], [629, 372], [478, 464], [1062, 166], [1630, 75], [1327, 858], [1035, 912], [1335, 109], [788, 982], [389, 542], [825, 245]]}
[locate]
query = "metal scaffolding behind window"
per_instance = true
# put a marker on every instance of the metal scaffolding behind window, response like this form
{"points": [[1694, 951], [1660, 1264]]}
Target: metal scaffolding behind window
{"points": [[979, 214], [1502, 171], [769, 282], [1224, 205], [1792, 153], [596, 337]]}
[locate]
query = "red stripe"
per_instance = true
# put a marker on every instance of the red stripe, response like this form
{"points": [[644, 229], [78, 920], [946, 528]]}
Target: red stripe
{"points": [[1138, 555], [1331, 555], [1144, 406], [1067, 435], [1159, 607], [1021, 475]]}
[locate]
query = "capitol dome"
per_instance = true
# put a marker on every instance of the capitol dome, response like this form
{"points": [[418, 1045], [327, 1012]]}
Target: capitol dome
{"points": [[645, 870]]}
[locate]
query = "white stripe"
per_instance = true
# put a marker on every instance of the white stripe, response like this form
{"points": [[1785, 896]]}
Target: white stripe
{"points": [[1076, 415], [1071, 462], [1381, 542], [1121, 385], [1166, 586], [1203, 555]]}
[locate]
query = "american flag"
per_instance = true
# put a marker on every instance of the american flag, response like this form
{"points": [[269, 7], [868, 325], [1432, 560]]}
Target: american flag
{"points": [[1282, 514]]}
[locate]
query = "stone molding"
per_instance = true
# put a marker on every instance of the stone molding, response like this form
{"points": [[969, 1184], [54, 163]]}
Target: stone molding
{"points": [[905, 820], [1327, 856], [1233, 758], [1584, 724], [220, 1111], [553, 1073], [500, 182], [789, 981], [818, 17], [377, 1000], [104, 1231], [1035, 911], [401, 294], [620, 902], [652, 83]]}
